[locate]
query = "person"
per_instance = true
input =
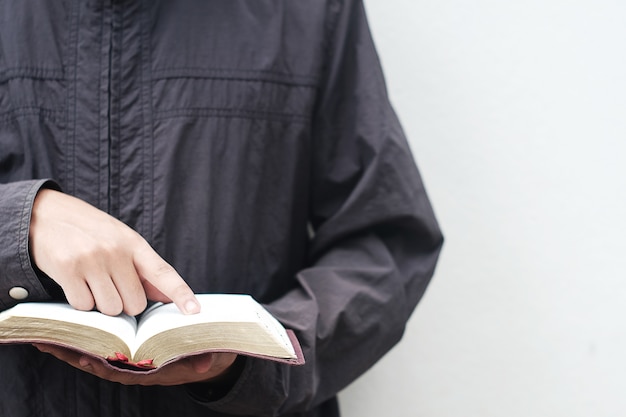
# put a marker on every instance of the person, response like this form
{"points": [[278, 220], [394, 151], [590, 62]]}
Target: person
{"points": [[150, 150]]}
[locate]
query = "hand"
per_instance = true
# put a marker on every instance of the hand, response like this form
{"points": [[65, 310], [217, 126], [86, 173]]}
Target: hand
{"points": [[99, 261], [192, 369]]}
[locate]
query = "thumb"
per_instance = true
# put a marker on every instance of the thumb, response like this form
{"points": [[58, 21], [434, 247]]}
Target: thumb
{"points": [[201, 364]]}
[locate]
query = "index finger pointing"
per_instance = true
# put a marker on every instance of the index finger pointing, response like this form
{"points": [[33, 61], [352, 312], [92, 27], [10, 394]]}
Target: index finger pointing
{"points": [[162, 276]]}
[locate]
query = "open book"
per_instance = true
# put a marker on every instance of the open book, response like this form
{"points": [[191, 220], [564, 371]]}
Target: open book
{"points": [[226, 323]]}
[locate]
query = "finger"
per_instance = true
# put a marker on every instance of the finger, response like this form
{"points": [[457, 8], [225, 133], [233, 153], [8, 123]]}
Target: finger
{"points": [[173, 374], [64, 354], [88, 364], [129, 287], [153, 293], [73, 358], [97, 368], [221, 362], [162, 276], [107, 298], [79, 295], [201, 364]]}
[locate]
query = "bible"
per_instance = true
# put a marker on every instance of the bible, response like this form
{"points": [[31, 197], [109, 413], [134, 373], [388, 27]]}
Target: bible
{"points": [[226, 323]]}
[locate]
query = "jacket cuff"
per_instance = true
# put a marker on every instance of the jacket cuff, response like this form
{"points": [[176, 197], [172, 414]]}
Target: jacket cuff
{"points": [[18, 279]]}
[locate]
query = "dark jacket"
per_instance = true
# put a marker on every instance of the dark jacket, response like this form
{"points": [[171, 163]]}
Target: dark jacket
{"points": [[252, 143]]}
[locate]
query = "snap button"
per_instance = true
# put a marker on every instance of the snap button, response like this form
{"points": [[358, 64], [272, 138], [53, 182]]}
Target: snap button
{"points": [[18, 293]]}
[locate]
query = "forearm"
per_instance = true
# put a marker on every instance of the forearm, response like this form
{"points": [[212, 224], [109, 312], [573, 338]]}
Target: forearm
{"points": [[348, 310], [370, 264]]}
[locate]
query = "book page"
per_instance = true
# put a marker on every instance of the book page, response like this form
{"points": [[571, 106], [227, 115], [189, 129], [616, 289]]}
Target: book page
{"points": [[122, 326], [215, 308]]}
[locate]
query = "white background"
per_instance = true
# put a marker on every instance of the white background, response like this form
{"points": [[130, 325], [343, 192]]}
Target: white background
{"points": [[516, 112]]}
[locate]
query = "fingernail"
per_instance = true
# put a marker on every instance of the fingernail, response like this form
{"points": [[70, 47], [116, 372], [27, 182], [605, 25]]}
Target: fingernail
{"points": [[192, 307], [42, 348], [84, 362]]}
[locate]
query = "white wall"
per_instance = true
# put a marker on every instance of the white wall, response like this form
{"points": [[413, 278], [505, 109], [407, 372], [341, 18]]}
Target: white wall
{"points": [[516, 112]]}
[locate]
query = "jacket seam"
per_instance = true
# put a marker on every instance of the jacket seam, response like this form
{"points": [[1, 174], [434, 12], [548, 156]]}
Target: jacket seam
{"points": [[147, 124], [207, 112], [71, 112], [38, 73], [238, 79], [28, 111], [116, 97], [235, 71], [100, 151], [236, 75]]}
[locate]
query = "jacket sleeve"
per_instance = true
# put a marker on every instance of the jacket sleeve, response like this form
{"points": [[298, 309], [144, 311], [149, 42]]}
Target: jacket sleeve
{"points": [[376, 240], [18, 279]]}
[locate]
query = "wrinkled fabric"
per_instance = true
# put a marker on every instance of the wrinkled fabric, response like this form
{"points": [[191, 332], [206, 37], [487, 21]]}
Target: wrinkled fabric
{"points": [[252, 143]]}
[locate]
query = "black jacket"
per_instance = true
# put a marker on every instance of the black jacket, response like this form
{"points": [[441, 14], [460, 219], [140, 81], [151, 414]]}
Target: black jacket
{"points": [[251, 142]]}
